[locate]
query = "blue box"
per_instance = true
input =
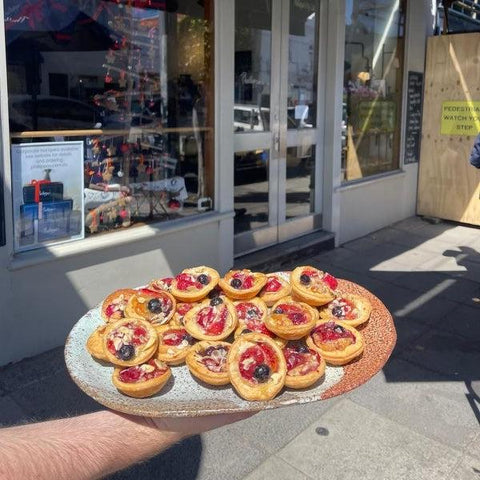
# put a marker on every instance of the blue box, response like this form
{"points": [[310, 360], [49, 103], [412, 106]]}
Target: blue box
{"points": [[49, 209]]}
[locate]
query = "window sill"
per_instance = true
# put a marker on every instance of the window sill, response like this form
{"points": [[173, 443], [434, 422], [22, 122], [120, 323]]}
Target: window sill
{"points": [[124, 237], [363, 182]]}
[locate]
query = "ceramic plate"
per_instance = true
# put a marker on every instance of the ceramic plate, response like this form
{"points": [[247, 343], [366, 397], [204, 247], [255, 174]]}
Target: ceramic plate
{"points": [[185, 396]]}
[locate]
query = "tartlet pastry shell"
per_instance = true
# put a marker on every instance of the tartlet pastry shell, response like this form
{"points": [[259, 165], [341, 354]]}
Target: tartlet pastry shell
{"points": [[143, 389], [95, 343], [272, 297], [200, 371], [249, 390], [196, 294], [362, 305], [192, 327], [305, 293], [280, 324], [142, 352], [170, 354], [122, 295], [137, 306], [307, 380], [338, 357], [259, 281]]}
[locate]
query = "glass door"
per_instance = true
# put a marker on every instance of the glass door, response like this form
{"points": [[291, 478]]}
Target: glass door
{"points": [[274, 120]]}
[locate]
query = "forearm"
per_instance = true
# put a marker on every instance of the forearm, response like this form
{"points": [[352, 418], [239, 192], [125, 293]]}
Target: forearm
{"points": [[85, 447]]}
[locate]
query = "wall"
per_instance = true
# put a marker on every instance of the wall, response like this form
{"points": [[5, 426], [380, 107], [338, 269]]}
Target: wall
{"points": [[44, 294]]}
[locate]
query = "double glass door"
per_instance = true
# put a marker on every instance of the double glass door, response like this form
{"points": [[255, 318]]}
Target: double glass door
{"points": [[276, 170]]}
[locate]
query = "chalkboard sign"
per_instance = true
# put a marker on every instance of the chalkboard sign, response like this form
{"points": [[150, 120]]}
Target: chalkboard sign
{"points": [[413, 131]]}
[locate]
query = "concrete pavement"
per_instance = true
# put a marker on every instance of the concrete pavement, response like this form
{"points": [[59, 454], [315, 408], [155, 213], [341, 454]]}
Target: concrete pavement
{"points": [[418, 418]]}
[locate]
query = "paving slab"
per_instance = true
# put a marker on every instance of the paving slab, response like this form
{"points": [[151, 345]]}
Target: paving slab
{"points": [[363, 444], [468, 468], [421, 400], [278, 469]]}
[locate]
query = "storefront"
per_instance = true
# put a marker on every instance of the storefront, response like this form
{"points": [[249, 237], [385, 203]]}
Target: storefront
{"points": [[140, 137]]}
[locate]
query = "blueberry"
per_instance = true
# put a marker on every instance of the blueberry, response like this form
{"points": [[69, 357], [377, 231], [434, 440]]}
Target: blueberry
{"points": [[246, 330], [251, 312], [261, 372], [215, 301], [203, 279], [155, 305], [338, 329], [337, 312], [126, 352], [208, 351], [278, 310], [236, 283], [305, 279], [302, 348], [188, 338], [214, 293]]}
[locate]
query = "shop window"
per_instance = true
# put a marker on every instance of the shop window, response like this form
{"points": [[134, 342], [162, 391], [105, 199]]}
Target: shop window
{"points": [[111, 115], [373, 71]]}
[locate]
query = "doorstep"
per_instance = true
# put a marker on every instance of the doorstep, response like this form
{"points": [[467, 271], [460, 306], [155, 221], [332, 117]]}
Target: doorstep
{"points": [[272, 258]]}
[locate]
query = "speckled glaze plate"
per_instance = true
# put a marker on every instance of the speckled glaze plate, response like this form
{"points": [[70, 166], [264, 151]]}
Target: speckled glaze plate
{"points": [[184, 396]]}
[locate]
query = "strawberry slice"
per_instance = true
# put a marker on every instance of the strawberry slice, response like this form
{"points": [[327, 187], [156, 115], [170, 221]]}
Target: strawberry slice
{"points": [[330, 280], [273, 285]]}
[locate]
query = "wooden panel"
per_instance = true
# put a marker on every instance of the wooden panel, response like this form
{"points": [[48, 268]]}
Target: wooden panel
{"points": [[448, 186]]}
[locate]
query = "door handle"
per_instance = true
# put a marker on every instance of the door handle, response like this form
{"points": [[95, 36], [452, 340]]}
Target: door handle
{"points": [[276, 142]]}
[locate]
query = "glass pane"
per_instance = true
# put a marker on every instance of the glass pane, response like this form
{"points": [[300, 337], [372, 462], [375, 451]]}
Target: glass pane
{"points": [[253, 37], [251, 190], [372, 87], [133, 81], [302, 64], [300, 181]]}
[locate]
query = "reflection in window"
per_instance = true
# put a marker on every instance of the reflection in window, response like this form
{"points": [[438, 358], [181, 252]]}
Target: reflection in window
{"points": [[133, 81], [374, 43]]}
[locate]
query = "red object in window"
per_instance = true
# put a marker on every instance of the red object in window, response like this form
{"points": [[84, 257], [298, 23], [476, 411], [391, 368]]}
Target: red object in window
{"points": [[36, 184]]}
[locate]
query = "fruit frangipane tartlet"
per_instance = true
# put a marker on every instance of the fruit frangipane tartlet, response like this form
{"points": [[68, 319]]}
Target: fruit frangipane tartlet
{"points": [[173, 344], [251, 315], [304, 365], [161, 284], [242, 284], [207, 360], [212, 319], [337, 342], [290, 319], [95, 343], [195, 283], [155, 306], [181, 309], [348, 308], [313, 286], [113, 307], [141, 381], [129, 341], [256, 367], [276, 288]]}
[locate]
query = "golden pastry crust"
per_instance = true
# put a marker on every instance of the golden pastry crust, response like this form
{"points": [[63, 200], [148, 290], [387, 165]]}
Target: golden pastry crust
{"points": [[348, 308], [242, 330], [276, 288], [212, 319], [242, 284], [207, 361], [174, 344], [113, 307], [251, 315], [95, 343], [304, 365], [129, 342], [290, 319], [156, 307], [337, 342], [313, 286], [256, 367], [195, 283], [141, 381]]}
